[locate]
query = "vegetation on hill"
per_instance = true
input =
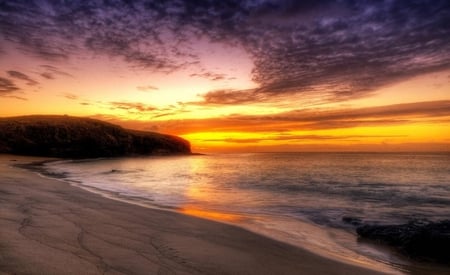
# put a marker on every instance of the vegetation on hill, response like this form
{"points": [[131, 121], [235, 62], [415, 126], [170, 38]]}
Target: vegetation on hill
{"points": [[75, 137]]}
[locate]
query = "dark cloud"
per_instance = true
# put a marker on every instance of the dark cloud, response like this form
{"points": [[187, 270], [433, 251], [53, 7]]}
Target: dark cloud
{"points": [[8, 89], [150, 112], [373, 45], [22, 76], [229, 97], [249, 96], [51, 72], [339, 49], [7, 86], [210, 75]]}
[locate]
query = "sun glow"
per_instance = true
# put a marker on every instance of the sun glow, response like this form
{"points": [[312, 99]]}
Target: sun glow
{"points": [[373, 137]]}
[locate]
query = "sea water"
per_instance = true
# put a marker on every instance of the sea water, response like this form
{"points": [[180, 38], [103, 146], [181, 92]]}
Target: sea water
{"points": [[300, 198]]}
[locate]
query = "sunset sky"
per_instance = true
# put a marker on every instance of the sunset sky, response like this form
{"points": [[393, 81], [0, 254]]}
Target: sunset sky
{"points": [[237, 76]]}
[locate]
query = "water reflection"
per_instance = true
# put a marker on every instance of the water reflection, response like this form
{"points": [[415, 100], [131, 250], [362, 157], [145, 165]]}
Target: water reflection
{"points": [[211, 214], [297, 196]]}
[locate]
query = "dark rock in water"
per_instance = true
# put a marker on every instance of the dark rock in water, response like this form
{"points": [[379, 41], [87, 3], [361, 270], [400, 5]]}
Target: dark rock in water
{"points": [[421, 239], [352, 220], [74, 137]]}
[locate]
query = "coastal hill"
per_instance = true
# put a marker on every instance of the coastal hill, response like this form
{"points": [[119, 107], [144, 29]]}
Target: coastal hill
{"points": [[75, 137]]}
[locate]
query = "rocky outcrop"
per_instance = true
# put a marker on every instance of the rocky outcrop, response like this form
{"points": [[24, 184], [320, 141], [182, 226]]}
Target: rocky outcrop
{"points": [[74, 137], [421, 239]]}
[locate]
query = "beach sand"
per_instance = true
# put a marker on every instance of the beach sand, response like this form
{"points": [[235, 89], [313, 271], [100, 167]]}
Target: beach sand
{"points": [[50, 227]]}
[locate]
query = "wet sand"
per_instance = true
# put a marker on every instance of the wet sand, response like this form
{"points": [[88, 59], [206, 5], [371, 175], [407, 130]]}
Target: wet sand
{"points": [[50, 227]]}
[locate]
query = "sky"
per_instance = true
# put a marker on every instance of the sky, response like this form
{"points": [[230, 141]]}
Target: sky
{"points": [[237, 76]]}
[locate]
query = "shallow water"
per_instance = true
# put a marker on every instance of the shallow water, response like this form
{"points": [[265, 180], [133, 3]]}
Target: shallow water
{"points": [[296, 197]]}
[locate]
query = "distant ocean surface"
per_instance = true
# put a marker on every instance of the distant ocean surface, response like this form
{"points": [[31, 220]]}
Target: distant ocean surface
{"points": [[300, 198]]}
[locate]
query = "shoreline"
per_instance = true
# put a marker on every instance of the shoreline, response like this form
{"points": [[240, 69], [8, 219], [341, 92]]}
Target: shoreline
{"points": [[52, 227], [328, 247], [311, 238]]}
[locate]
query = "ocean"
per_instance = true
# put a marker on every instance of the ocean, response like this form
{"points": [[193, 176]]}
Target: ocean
{"points": [[301, 198]]}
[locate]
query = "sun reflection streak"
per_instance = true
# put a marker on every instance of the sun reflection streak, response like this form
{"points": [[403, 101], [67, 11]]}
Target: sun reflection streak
{"points": [[211, 214], [199, 192]]}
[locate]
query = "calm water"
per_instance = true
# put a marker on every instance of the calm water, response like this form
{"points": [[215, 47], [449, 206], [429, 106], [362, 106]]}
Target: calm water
{"points": [[297, 197]]}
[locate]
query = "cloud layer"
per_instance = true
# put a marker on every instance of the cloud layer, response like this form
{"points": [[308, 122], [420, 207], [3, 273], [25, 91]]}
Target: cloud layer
{"points": [[21, 76], [306, 120], [336, 49]]}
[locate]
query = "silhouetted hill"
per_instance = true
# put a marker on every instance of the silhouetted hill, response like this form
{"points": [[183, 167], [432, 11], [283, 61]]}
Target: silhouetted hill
{"points": [[74, 137]]}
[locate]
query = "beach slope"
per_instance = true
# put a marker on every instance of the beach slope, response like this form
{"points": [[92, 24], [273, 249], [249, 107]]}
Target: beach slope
{"points": [[50, 227]]}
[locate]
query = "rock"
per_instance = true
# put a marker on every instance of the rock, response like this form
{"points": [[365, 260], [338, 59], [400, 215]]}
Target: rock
{"points": [[352, 220], [74, 137], [419, 239]]}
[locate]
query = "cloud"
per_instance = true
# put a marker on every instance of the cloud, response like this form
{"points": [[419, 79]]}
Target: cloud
{"points": [[396, 114], [51, 72], [147, 88], [336, 49], [210, 75], [356, 50], [22, 76], [140, 109], [426, 109], [15, 97], [228, 97], [342, 52], [47, 75], [7, 86], [8, 89], [71, 96], [132, 107]]}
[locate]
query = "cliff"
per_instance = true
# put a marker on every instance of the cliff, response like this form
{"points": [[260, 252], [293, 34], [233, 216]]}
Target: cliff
{"points": [[74, 137]]}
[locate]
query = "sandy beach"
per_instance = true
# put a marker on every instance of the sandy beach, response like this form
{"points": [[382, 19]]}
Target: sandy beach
{"points": [[50, 227]]}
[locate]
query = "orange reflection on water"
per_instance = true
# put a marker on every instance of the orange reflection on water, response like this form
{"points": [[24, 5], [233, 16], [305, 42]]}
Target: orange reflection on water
{"points": [[200, 192], [210, 214]]}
